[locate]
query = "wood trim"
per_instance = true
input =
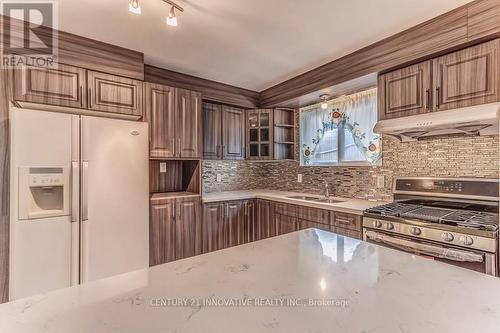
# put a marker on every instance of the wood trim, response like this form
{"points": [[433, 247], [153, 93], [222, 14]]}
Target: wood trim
{"points": [[422, 41], [211, 90], [92, 54], [483, 19], [5, 93]]}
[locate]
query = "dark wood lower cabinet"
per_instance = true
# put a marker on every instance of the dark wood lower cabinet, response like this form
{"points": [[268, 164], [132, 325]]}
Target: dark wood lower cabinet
{"points": [[233, 223], [213, 221], [187, 228], [175, 229]]}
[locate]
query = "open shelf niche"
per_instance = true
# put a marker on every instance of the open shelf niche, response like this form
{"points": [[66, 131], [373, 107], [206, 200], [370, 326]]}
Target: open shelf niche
{"points": [[284, 134], [174, 177]]}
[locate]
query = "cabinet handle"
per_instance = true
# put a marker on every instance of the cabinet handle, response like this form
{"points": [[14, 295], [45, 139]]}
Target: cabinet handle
{"points": [[179, 147], [438, 97], [89, 97], [172, 145], [344, 221], [217, 152], [428, 101], [81, 96], [173, 212]]}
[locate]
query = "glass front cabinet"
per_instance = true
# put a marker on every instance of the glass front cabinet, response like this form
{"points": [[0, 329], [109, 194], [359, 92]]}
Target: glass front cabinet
{"points": [[260, 128]]}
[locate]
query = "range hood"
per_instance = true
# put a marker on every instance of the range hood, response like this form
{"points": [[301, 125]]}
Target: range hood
{"points": [[478, 120]]}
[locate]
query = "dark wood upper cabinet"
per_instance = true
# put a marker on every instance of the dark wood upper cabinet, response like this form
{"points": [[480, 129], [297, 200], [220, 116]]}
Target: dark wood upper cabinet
{"points": [[188, 227], [467, 77], [61, 86], [160, 114], [223, 132], [405, 92], [233, 133], [162, 231], [259, 136], [111, 93], [460, 79], [212, 131], [188, 124]]}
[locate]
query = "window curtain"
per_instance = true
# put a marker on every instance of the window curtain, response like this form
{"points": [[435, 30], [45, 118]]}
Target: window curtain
{"points": [[356, 114]]}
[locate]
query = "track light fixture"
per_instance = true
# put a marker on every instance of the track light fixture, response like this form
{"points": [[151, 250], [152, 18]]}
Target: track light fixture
{"points": [[135, 7], [324, 101]]}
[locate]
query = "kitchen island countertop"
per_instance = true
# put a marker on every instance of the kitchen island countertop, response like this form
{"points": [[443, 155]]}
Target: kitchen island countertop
{"points": [[307, 281]]}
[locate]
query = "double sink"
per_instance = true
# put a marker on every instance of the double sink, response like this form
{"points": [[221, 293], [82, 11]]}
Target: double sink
{"points": [[314, 199]]}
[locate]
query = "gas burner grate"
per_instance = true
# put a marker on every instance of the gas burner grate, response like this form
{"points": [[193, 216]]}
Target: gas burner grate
{"points": [[392, 209], [428, 213], [472, 219]]}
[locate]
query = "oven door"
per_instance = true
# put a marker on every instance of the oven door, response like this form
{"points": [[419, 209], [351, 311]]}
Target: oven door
{"points": [[479, 261]]}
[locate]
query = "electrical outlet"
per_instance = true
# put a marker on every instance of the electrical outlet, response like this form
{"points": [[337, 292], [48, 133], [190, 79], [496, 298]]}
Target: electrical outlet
{"points": [[219, 178], [380, 181], [299, 178], [163, 167]]}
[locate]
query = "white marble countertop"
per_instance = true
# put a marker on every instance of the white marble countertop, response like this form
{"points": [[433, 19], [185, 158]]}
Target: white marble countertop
{"points": [[307, 281], [346, 205]]}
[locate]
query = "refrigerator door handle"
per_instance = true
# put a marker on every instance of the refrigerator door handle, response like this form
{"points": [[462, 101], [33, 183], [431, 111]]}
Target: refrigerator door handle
{"points": [[75, 176], [85, 190]]}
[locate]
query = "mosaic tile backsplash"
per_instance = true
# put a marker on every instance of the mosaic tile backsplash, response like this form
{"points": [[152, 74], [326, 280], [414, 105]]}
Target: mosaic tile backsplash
{"points": [[450, 156]]}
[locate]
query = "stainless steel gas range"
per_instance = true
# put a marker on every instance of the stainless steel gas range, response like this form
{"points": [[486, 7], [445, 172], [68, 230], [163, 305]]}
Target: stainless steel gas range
{"points": [[448, 220]]}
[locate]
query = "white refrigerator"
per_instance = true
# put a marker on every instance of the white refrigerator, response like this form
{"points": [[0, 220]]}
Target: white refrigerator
{"points": [[79, 199]]}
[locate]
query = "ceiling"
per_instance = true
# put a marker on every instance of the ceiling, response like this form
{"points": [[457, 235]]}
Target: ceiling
{"points": [[252, 44]]}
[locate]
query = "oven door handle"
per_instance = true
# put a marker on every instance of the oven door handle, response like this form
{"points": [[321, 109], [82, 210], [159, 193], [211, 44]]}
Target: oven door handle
{"points": [[425, 249]]}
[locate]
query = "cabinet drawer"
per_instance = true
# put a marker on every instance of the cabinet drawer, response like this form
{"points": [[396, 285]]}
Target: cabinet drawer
{"points": [[347, 232], [315, 215], [286, 209], [347, 221]]}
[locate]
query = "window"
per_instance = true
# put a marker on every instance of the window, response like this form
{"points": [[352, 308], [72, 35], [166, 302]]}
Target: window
{"points": [[343, 133]]}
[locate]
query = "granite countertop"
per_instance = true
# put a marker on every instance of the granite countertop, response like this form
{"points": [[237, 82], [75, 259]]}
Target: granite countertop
{"points": [[346, 205], [307, 281]]}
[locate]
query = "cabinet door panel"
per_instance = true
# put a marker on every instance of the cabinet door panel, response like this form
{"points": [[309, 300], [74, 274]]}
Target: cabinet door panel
{"points": [[265, 226], [61, 86], [233, 126], [188, 134], [160, 111], [188, 228], [405, 92], [285, 224], [110, 93], [467, 77], [162, 232], [250, 221], [213, 227], [212, 131], [235, 221]]}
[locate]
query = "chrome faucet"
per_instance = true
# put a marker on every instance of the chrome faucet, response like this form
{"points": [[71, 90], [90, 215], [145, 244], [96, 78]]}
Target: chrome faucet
{"points": [[327, 190]]}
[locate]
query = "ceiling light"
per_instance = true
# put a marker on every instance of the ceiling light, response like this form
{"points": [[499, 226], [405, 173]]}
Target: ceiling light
{"points": [[324, 101], [171, 18], [134, 6]]}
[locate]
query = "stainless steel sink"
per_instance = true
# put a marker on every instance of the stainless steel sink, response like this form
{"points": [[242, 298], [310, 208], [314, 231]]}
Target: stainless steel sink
{"points": [[303, 197], [314, 199]]}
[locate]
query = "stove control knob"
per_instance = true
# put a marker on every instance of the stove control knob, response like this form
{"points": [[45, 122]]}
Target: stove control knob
{"points": [[466, 240], [415, 231], [389, 226], [447, 236], [377, 224]]}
